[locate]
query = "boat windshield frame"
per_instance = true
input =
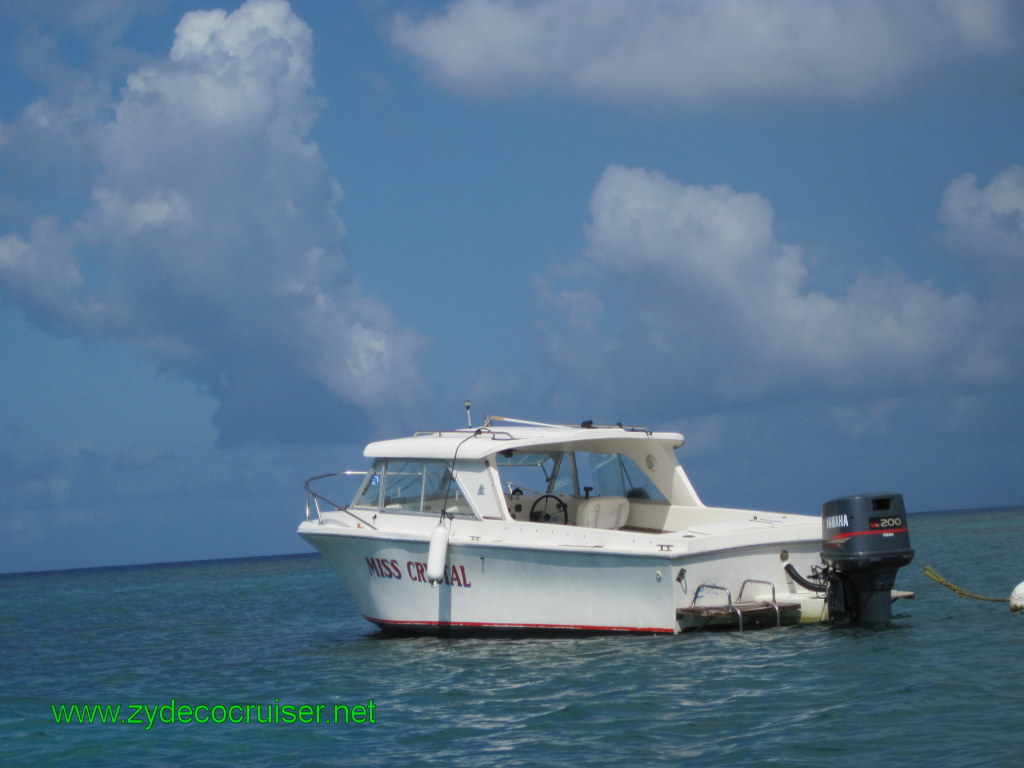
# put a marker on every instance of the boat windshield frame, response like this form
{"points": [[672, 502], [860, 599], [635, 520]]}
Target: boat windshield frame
{"points": [[437, 491]]}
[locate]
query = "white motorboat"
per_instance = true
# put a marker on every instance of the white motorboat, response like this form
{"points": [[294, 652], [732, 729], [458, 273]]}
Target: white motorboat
{"points": [[519, 526]]}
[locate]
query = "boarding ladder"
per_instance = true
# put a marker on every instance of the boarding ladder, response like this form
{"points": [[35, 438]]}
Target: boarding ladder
{"points": [[731, 615]]}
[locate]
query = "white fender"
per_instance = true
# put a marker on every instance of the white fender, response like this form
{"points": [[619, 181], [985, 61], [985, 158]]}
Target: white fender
{"points": [[438, 553]]}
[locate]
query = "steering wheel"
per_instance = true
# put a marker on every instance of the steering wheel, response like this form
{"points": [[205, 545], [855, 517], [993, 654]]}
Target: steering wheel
{"points": [[538, 516]]}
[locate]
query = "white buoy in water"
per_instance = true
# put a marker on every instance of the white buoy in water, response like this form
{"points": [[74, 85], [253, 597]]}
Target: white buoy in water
{"points": [[438, 552], [1017, 598]]}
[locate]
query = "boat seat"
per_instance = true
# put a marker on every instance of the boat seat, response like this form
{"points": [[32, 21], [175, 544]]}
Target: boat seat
{"points": [[609, 512]]}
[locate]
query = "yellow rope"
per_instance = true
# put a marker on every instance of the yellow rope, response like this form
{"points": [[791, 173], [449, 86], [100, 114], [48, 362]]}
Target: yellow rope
{"points": [[933, 574]]}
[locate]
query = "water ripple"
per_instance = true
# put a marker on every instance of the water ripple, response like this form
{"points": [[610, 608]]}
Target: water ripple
{"points": [[939, 687]]}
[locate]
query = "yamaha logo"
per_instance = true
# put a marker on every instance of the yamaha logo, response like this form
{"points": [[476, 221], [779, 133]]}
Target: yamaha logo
{"points": [[837, 521]]}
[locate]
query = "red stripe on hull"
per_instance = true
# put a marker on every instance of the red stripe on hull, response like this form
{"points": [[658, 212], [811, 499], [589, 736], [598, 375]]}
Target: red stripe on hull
{"points": [[444, 627]]}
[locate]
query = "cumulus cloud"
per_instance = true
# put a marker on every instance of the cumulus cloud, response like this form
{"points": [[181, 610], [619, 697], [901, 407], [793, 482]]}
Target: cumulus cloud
{"points": [[36, 493], [211, 240], [988, 223], [695, 301], [694, 52], [986, 226]]}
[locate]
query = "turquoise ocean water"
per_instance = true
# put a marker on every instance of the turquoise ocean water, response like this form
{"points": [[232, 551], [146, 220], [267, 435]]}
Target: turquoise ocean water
{"points": [[942, 686]]}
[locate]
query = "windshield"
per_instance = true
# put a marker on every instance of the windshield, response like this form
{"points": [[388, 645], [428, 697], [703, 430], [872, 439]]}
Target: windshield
{"points": [[410, 485]]}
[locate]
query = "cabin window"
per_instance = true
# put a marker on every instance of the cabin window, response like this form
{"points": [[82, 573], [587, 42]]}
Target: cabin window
{"points": [[412, 485], [571, 473], [615, 474], [536, 473]]}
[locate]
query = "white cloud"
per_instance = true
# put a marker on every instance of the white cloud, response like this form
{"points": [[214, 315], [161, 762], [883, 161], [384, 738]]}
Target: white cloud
{"points": [[41, 272], [988, 223], [715, 312], [212, 241], [694, 52]]}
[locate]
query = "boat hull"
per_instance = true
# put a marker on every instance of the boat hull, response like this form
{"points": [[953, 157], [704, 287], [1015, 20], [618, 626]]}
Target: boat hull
{"points": [[499, 588]]}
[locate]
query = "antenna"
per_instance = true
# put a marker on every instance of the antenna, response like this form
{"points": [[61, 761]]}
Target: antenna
{"points": [[469, 418]]}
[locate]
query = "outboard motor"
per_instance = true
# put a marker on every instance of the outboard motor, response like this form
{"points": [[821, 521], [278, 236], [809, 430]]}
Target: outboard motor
{"points": [[865, 540]]}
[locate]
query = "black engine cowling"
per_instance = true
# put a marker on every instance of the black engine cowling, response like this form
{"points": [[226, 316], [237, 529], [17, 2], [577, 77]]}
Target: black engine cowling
{"points": [[865, 540]]}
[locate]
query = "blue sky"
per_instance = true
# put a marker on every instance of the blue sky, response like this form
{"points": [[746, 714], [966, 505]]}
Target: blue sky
{"points": [[237, 244]]}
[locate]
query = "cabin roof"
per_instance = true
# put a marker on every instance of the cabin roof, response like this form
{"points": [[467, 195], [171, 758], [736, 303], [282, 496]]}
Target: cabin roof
{"points": [[481, 442]]}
